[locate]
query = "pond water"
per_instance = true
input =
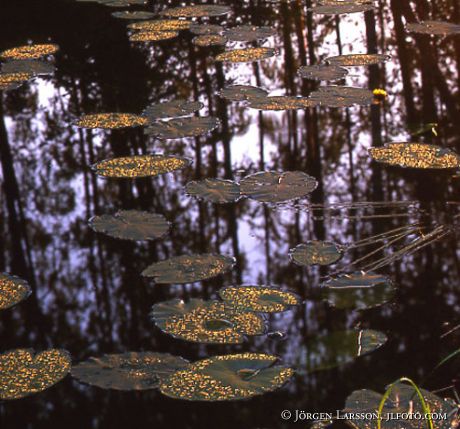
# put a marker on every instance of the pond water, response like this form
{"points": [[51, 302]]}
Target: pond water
{"points": [[364, 251]]}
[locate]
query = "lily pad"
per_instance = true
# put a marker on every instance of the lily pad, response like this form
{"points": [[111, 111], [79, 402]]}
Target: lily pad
{"points": [[274, 187], [248, 33], [242, 93], [415, 155], [282, 103], [342, 96], [32, 67], [132, 167], [340, 8], [13, 80], [131, 225], [189, 269], [246, 55], [128, 371], [197, 11], [109, 121], [29, 52], [263, 299], [209, 40], [183, 127], [322, 72], [316, 253], [356, 60], [209, 322], [227, 378], [135, 14], [160, 25], [341, 347], [171, 109], [206, 29], [358, 290], [13, 290], [153, 36], [22, 373], [214, 190], [437, 28], [402, 402]]}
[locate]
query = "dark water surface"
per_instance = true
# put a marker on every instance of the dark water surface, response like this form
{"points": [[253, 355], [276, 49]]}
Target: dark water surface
{"points": [[89, 297]]}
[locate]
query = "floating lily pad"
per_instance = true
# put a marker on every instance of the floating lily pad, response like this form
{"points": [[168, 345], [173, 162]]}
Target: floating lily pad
{"points": [[242, 93], [23, 374], [13, 80], [263, 299], [160, 25], [189, 269], [415, 155], [362, 405], [248, 33], [109, 121], [205, 29], [342, 96], [128, 371], [342, 7], [29, 52], [171, 109], [12, 290], [339, 348], [152, 36], [120, 3], [356, 60], [183, 127], [316, 253], [282, 103], [206, 321], [274, 187], [132, 167], [214, 190], [197, 11], [135, 14], [131, 225], [209, 40], [246, 55], [437, 28], [33, 67], [322, 72], [358, 290], [226, 378]]}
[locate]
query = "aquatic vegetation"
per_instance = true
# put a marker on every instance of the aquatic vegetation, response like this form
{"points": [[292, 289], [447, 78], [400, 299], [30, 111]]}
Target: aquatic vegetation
{"points": [[13, 290], [128, 371], [356, 60], [132, 167], [110, 121], [246, 55], [242, 93], [135, 14], [206, 321], [189, 268], [282, 103], [196, 11], [29, 52], [209, 40], [415, 155], [322, 72], [341, 7], [263, 299], [131, 225], [171, 109], [342, 96], [438, 28], [29, 67], [183, 127], [206, 29], [117, 3], [358, 290], [160, 25], [274, 187], [152, 36], [214, 190], [400, 398], [341, 347], [22, 373], [228, 377], [316, 253], [248, 33], [13, 80]]}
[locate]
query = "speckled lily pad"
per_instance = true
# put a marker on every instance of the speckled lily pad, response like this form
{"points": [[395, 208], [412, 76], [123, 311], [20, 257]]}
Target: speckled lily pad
{"points": [[282, 103], [357, 60], [206, 40], [342, 96], [110, 121], [322, 72], [242, 93], [29, 52], [183, 127], [316, 253], [214, 190], [160, 25], [246, 55], [153, 36], [248, 33], [205, 29], [338, 8], [134, 15], [171, 109], [196, 11], [10, 81], [13, 290]]}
